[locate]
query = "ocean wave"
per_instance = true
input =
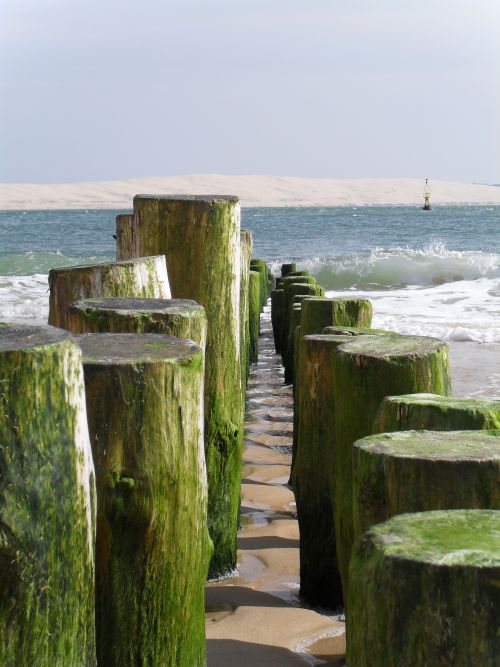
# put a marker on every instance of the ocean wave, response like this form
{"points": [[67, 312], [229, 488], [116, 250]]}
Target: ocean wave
{"points": [[40, 262], [400, 267]]}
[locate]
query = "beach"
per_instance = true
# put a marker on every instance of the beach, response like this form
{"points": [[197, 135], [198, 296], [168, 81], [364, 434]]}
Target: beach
{"points": [[432, 274], [253, 191]]}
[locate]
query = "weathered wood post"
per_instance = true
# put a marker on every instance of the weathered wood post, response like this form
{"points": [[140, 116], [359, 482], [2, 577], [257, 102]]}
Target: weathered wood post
{"points": [[254, 319], [201, 237], [261, 267], [322, 312], [144, 277], [277, 314], [313, 472], [365, 370], [436, 413], [124, 236], [144, 401], [47, 502], [292, 291], [424, 591], [415, 471], [246, 245], [316, 314], [290, 286], [182, 318], [288, 268]]}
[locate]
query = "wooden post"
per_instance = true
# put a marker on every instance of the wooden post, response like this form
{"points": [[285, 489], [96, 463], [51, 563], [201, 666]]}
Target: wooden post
{"points": [[144, 401], [365, 370], [313, 472], [436, 413], [124, 237], [47, 502], [287, 268], [277, 314], [415, 471], [261, 267], [424, 591], [254, 300], [201, 237], [144, 277], [174, 317], [246, 244]]}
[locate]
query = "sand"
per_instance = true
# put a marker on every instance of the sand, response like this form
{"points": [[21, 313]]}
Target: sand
{"points": [[252, 190], [256, 617]]}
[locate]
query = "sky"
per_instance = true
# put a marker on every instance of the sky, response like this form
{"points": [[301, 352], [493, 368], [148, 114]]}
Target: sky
{"points": [[108, 89]]}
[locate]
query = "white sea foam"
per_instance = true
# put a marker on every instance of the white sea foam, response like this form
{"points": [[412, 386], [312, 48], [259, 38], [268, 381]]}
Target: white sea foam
{"points": [[24, 297], [468, 310], [400, 267]]}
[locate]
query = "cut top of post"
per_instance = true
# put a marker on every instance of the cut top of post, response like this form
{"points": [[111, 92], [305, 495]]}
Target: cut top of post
{"points": [[25, 336], [435, 445], [119, 349], [380, 347], [208, 199], [102, 265], [467, 538], [138, 305]]}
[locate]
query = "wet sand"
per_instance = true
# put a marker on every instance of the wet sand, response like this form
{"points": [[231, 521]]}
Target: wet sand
{"points": [[256, 617]]}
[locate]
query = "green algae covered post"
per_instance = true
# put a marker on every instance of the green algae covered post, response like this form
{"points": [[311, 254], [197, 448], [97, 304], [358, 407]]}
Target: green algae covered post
{"points": [[320, 313], [145, 410], [313, 473], [288, 268], [47, 502], [366, 369], [261, 267], [124, 236], [246, 245], [277, 314], [254, 315], [415, 471], [143, 277], [200, 235], [436, 413], [292, 292], [425, 591], [182, 318], [305, 285]]}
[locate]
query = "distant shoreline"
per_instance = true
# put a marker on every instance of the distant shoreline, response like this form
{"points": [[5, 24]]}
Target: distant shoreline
{"points": [[254, 191]]}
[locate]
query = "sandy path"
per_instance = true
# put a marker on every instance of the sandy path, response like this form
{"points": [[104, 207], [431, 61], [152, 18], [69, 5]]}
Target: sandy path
{"points": [[256, 618]]}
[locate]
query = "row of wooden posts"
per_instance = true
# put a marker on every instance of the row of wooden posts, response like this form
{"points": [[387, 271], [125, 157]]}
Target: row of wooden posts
{"points": [[112, 420], [397, 485]]}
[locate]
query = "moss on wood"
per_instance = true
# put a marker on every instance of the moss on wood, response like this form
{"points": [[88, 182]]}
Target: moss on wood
{"points": [[436, 413], [182, 318], [144, 401], [200, 235], [286, 269], [277, 314], [414, 471], [425, 591], [246, 245], [47, 502], [313, 471], [367, 369], [254, 301], [143, 277]]}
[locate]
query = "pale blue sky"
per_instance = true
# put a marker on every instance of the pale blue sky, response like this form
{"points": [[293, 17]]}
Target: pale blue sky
{"points": [[109, 89]]}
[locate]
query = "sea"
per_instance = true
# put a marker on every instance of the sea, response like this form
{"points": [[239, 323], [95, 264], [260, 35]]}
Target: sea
{"points": [[431, 273]]}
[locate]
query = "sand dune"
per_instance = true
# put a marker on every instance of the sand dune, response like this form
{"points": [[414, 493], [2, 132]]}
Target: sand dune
{"points": [[252, 190]]}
